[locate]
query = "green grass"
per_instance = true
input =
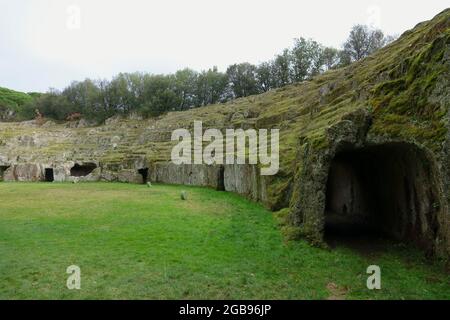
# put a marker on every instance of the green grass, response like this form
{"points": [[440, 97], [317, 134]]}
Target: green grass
{"points": [[134, 242]]}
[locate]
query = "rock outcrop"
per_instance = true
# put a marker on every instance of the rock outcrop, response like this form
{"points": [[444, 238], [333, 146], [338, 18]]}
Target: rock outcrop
{"points": [[24, 172], [193, 174]]}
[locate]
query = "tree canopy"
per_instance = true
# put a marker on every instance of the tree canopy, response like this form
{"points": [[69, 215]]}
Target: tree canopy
{"points": [[154, 94]]}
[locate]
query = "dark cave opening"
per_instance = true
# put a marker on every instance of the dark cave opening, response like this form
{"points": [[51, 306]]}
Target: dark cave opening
{"points": [[221, 179], [82, 170], [49, 175], [2, 171], [144, 173], [384, 192]]}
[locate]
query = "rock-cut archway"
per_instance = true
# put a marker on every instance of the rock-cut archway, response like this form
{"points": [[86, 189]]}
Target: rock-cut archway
{"points": [[387, 189], [144, 173], [49, 175], [2, 171], [82, 170]]}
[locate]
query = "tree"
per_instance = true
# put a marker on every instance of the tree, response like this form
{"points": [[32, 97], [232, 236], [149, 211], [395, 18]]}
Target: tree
{"points": [[281, 69], [211, 87], [363, 41], [152, 95], [216, 86], [82, 95], [330, 58], [105, 105], [242, 78], [306, 59], [121, 99], [317, 59], [264, 76], [186, 87], [159, 95], [53, 105], [344, 58]]}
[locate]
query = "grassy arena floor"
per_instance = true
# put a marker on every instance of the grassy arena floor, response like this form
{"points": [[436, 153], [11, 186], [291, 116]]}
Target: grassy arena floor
{"points": [[134, 242]]}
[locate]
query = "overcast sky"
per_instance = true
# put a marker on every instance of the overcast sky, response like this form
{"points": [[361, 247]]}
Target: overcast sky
{"points": [[49, 43]]}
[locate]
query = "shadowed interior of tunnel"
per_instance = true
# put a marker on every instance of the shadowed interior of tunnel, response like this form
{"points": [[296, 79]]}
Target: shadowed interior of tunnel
{"points": [[144, 173], [48, 175], [379, 193], [2, 171], [82, 170]]}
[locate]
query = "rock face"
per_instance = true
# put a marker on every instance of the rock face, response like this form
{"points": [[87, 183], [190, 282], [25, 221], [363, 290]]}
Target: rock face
{"points": [[129, 176], [24, 172], [367, 144], [245, 180], [393, 187], [193, 174]]}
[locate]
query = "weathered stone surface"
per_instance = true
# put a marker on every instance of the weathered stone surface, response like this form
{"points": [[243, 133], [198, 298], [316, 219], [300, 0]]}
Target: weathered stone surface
{"points": [[246, 180], [108, 176], [61, 172], [24, 172], [4, 161], [91, 177], [193, 174], [414, 206], [129, 176]]}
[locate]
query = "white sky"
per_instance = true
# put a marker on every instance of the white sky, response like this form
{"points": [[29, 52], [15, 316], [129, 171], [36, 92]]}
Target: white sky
{"points": [[44, 44]]}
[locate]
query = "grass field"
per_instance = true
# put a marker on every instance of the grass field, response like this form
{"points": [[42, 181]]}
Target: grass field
{"points": [[134, 242]]}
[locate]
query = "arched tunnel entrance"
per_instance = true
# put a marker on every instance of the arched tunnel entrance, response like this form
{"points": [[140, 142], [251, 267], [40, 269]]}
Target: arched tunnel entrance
{"points": [[82, 170], [383, 191], [2, 171], [49, 175], [144, 173]]}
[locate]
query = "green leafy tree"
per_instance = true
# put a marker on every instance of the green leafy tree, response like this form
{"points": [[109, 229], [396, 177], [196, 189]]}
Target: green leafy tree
{"points": [[242, 78], [212, 87], [306, 59], [281, 69], [152, 95], [330, 58], [83, 96], [186, 87], [265, 77], [52, 105], [363, 41], [159, 95]]}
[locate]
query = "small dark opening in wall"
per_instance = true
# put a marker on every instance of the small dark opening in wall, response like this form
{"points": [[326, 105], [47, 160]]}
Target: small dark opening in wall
{"points": [[221, 179], [49, 176], [2, 171], [82, 170], [144, 173]]}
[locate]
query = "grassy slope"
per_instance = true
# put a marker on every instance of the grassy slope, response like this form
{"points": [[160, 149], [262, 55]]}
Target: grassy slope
{"points": [[10, 99], [137, 242]]}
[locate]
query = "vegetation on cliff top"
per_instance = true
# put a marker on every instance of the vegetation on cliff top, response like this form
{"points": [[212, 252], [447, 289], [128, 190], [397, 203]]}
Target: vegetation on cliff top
{"points": [[151, 95], [13, 101]]}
